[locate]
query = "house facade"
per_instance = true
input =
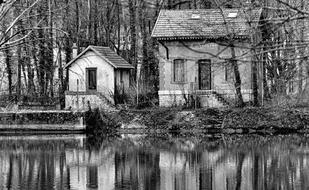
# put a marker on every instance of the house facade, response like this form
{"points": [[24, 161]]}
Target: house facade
{"points": [[195, 52], [94, 77]]}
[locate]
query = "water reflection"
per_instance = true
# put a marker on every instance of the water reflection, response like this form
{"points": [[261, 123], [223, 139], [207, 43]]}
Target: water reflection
{"points": [[155, 163]]}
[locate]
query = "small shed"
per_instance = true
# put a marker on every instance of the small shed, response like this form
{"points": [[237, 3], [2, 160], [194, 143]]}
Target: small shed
{"points": [[95, 76]]}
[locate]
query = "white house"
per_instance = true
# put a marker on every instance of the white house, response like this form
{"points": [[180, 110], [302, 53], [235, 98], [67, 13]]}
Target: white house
{"points": [[95, 76], [195, 54]]}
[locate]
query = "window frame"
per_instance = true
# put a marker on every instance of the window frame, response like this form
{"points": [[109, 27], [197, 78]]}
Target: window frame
{"points": [[174, 71], [88, 70]]}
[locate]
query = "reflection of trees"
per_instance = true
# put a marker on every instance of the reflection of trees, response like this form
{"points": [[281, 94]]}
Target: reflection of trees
{"points": [[34, 169], [240, 162], [10, 174], [137, 169]]}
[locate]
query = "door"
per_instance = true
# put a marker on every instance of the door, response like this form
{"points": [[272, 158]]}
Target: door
{"points": [[91, 78], [204, 74]]}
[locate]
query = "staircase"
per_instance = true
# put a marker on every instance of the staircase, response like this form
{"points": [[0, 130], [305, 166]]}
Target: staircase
{"points": [[211, 98], [108, 103], [103, 98], [220, 98]]}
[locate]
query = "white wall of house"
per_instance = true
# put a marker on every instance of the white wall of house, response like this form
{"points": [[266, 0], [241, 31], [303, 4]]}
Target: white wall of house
{"points": [[192, 52], [105, 73]]}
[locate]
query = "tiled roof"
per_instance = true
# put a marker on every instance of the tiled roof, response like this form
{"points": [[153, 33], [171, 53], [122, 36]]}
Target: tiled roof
{"points": [[107, 54], [205, 23]]}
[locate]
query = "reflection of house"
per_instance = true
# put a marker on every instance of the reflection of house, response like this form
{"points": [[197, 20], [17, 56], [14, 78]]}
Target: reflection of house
{"points": [[176, 172], [94, 76], [91, 170], [195, 54]]}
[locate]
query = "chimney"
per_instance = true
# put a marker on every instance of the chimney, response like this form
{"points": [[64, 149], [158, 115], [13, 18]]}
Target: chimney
{"points": [[248, 4], [74, 51]]}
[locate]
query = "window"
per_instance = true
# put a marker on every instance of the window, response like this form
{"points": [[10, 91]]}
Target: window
{"points": [[179, 70], [91, 78]]}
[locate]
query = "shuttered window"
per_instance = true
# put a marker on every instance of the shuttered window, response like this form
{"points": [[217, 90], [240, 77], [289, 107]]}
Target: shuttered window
{"points": [[179, 70]]}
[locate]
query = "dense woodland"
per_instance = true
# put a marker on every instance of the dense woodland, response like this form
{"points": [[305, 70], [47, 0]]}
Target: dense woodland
{"points": [[37, 37]]}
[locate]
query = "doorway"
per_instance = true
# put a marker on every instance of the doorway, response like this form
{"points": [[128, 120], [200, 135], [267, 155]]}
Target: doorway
{"points": [[204, 74]]}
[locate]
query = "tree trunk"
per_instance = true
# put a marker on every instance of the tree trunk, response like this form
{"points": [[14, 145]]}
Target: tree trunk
{"points": [[62, 85], [77, 23], [67, 51], [89, 22], [41, 70], [19, 57], [95, 23], [108, 25], [240, 102], [118, 26], [132, 11], [19, 60], [30, 70], [8, 69], [303, 58], [255, 59], [143, 29], [51, 51], [255, 82]]}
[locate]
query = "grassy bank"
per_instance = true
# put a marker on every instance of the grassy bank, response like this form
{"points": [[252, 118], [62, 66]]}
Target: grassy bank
{"points": [[246, 120]]}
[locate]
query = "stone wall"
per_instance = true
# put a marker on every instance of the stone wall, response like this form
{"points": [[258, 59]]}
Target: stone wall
{"points": [[206, 99], [172, 98], [82, 101]]}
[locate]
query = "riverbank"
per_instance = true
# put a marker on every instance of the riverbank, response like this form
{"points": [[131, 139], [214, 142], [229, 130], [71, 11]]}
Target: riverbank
{"points": [[246, 120], [41, 121]]}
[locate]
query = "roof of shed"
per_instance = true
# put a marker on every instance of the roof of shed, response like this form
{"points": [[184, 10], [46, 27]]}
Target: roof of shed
{"points": [[205, 23], [106, 54]]}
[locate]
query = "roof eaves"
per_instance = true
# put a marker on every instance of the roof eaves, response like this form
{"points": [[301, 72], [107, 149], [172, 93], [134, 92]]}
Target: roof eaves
{"points": [[166, 38], [126, 67]]}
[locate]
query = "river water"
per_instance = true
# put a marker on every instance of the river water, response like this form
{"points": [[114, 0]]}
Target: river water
{"points": [[158, 162]]}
